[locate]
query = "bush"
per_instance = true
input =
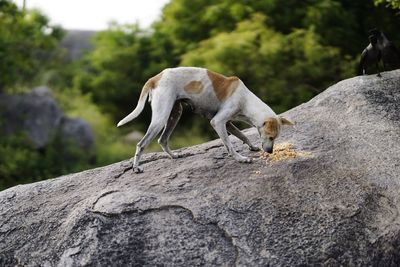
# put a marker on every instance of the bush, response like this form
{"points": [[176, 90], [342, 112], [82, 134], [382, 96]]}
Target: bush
{"points": [[21, 163]]}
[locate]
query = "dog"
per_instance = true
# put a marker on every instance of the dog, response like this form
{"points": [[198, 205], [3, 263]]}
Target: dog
{"points": [[371, 55], [219, 98]]}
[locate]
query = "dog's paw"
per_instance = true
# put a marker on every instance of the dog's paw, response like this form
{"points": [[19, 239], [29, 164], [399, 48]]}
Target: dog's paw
{"points": [[137, 169], [254, 148], [243, 159], [175, 155]]}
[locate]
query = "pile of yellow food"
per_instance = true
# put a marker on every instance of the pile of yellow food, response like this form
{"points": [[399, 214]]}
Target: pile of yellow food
{"points": [[282, 152]]}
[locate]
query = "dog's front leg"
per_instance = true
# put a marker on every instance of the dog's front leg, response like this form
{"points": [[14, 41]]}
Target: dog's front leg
{"points": [[219, 125], [236, 132]]}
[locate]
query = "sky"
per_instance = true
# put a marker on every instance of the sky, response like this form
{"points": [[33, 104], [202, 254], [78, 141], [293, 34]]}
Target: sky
{"points": [[95, 14]]}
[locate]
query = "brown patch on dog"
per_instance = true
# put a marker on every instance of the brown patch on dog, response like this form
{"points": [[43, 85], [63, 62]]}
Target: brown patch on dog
{"points": [[150, 84], [224, 87], [194, 87], [271, 127]]}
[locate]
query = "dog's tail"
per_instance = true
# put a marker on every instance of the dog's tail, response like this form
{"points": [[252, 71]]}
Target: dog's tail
{"points": [[136, 111], [149, 85]]}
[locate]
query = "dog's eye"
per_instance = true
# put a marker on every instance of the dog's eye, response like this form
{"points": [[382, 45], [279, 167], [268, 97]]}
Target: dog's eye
{"points": [[264, 123]]}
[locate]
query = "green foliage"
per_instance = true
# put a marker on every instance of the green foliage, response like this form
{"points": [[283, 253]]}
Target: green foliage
{"points": [[115, 71], [108, 146], [188, 22], [21, 163], [341, 23], [285, 53], [394, 4], [284, 70], [329, 14], [28, 44], [181, 25]]}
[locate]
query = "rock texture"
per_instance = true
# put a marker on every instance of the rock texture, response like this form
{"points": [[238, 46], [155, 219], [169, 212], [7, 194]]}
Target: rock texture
{"points": [[37, 114], [338, 206]]}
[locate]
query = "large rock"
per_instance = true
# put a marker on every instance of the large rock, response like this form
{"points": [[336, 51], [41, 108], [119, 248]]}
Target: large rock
{"points": [[338, 206], [37, 114]]}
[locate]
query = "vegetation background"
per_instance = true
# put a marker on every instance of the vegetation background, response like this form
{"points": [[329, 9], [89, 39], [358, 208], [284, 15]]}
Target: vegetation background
{"points": [[285, 51]]}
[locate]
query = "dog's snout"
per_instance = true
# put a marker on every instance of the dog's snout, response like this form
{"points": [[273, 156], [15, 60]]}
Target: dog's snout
{"points": [[268, 148]]}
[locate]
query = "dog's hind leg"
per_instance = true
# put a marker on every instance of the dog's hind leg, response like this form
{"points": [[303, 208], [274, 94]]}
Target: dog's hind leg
{"points": [[152, 132], [169, 127], [159, 119], [232, 129]]}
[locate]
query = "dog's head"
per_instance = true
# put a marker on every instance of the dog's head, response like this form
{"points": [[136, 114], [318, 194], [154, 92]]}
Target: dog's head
{"points": [[270, 130]]}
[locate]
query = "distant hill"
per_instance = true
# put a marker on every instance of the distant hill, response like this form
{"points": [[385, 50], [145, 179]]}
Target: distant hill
{"points": [[76, 42]]}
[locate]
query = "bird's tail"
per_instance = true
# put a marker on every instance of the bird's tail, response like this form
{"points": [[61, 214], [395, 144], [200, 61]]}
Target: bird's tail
{"points": [[360, 69]]}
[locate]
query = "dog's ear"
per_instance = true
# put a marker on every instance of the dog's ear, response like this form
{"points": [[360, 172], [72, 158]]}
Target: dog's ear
{"points": [[285, 121]]}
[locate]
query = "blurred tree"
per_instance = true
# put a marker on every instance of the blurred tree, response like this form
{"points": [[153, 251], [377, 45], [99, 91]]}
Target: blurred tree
{"points": [[116, 70], [284, 70], [183, 24], [285, 52], [28, 44], [21, 163], [394, 4], [187, 22], [329, 14], [343, 24]]}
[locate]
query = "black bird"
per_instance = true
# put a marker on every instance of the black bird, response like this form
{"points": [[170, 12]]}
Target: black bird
{"points": [[370, 56], [389, 53]]}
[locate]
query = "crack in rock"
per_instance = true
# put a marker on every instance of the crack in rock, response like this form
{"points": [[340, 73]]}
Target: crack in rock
{"points": [[167, 233]]}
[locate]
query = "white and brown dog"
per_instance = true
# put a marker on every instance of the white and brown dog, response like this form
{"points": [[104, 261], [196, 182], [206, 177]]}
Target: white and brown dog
{"points": [[220, 99]]}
